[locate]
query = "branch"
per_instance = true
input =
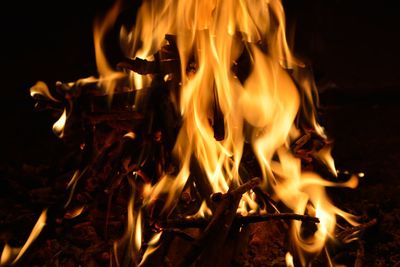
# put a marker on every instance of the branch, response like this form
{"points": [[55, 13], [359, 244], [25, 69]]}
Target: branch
{"points": [[239, 219], [217, 229], [354, 230]]}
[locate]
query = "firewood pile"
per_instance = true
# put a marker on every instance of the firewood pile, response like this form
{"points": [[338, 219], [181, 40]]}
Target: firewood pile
{"points": [[114, 151]]}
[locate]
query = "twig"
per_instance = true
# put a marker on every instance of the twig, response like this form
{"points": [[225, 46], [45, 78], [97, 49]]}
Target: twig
{"points": [[351, 231], [140, 66], [216, 232], [96, 118], [203, 185], [266, 198], [181, 234], [239, 219], [143, 66], [360, 254]]}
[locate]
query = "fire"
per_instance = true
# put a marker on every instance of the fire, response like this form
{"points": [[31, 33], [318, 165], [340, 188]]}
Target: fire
{"points": [[108, 77], [289, 260], [40, 89], [58, 127], [12, 255], [260, 109], [238, 85]]}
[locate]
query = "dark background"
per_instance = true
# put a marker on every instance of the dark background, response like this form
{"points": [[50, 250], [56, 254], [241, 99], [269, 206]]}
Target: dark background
{"points": [[353, 47], [40, 41]]}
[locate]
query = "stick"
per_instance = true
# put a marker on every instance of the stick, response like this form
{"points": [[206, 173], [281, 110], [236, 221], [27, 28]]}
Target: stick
{"points": [[144, 67], [266, 198], [359, 262], [218, 227], [96, 118], [351, 231], [239, 219]]}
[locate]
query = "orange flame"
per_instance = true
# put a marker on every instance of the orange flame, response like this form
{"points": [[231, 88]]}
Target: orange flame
{"points": [[289, 260], [40, 88], [13, 255], [108, 76], [266, 108]]}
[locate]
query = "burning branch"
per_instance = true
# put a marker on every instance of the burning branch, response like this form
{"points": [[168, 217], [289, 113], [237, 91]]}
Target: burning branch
{"points": [[218, 228]]}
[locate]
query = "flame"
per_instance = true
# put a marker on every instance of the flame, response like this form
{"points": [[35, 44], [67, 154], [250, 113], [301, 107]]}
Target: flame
{"points": [[58, 126], [13, 255], [138, 231], [204, 211], [325, 156], [108, 76], [289, 260], [40, 88], [134, 229], [267, 108], [153, 245], [269, 101], [74, 212]]}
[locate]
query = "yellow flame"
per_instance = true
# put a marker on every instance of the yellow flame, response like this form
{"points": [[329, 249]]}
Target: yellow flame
{"points": [[13, 255], [289, 260], [108, 76], [40, 88], [268, 101], [130, 135], [58, 126], [325, 156], [152, 246], [8, 254], [131, 241], [138, 231], [204, 211], [72, 185], [267, 109]]}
